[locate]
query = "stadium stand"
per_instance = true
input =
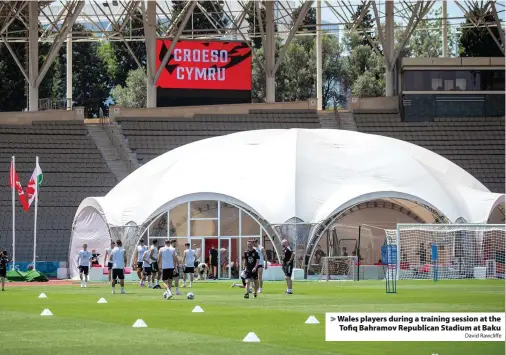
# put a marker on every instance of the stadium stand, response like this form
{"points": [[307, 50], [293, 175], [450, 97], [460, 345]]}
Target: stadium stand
{"points": [[73, 169], [150, 137], [475, 144]]}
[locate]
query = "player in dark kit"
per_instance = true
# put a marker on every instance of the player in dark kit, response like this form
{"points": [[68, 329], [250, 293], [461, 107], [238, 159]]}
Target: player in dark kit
{"points": [[288, 265], [251, 260], [4, 260]]}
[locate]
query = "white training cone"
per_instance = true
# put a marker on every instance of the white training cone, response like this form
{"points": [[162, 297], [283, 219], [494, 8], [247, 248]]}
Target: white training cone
{"points": [[139, 323], [46, 312], [312, 320], [198, 309], [102, 300], [42, 295], [251, 338]]}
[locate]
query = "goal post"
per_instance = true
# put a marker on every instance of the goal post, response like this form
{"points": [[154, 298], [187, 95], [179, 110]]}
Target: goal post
{"points": [[338, 268], [449, 251]]}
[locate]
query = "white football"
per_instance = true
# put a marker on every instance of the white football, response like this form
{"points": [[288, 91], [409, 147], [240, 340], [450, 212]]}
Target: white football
{"points": [[190, 295], [165, 295]]}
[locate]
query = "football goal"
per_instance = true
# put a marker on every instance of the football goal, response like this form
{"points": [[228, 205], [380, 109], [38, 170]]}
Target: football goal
{"points": [[338, 268], [449, 251]]}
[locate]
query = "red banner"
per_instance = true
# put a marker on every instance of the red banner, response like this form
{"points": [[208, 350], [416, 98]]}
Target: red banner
{"points": [[205, 65]]}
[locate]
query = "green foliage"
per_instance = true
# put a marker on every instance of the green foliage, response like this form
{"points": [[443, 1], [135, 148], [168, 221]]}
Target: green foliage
{"points": [[309, 22], [254, 27], [124, 61], [477, 41], [133, 94], [367, 85], [427, 39], [367, 25], [296, 76], [90, 79]]}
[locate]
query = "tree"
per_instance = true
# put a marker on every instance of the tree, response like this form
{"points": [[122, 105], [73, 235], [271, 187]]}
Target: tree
{"points": [[362, 59], [13, 85], [309, 22], [133, 94], [366, 26], [427, 39], [90, 79], [258, 91], [366, 85], [118, 58], [200, 23], [477, 41], [254, 26]]}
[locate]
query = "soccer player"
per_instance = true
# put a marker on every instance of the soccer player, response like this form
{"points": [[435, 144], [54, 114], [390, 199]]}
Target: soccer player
{"points": [[189, 264], [146, 267], [251, 261], [155, 268], [141, 248], [168, 261], [202, 267], [288, 265], [83, 260], [213, 260], [118, 259], [178, 265], [4, 260], [262, 264], [243, 279], [106, 259]]}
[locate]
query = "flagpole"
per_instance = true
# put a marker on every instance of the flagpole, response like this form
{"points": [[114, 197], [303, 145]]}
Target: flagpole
{"points": [[13, 181], [35, 220]]}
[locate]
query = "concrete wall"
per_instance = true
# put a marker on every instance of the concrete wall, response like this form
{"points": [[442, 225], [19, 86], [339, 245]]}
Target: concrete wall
{"points": [[374, 104], [190, 111], [49, 115]]}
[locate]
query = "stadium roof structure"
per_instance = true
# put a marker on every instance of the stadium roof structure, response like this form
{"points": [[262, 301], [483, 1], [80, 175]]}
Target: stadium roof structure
{"points": [[110, 21], [302, 174]]}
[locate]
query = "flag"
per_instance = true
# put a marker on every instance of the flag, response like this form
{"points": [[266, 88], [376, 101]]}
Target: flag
{"points": [[33, 185], [14, 181]]}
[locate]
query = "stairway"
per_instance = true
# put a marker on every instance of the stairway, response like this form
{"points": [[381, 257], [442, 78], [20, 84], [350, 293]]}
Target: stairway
{"points": [[109, 152], [347, 121], [328, 119]]}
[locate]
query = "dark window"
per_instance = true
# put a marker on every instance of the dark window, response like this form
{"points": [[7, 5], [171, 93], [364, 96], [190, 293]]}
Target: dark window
{"points": [[453, 80]]}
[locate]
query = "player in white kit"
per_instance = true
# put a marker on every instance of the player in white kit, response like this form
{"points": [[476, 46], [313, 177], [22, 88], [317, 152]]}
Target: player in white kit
{"points": [[118, 259], [262, 264], [141, 248], [83, 260], [167, 259], [189, 264], [155, 268], [106, 260], [146, 267]]}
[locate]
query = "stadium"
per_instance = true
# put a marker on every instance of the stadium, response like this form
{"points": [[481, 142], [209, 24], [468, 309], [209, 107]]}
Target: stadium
{"points": [[367, 137]]}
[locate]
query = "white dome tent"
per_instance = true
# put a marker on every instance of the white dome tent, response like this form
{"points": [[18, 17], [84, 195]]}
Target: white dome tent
{"points": [[275, 176]]}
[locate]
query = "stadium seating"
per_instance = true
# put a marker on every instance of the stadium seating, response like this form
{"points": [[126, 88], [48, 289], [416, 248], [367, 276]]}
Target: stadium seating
{"points": [[73, 169], [475, 144], [150, 137]]}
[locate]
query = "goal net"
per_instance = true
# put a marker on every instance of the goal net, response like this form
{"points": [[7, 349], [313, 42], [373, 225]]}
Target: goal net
{"points": [[340, 268], [449, 251]]}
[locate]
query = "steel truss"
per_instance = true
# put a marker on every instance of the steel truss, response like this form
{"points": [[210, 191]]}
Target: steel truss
{"points": [[146, 21]]}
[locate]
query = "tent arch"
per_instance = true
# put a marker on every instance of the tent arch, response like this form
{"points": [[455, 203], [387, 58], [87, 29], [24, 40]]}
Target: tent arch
{"points": [[273, 236], [318, 231]]}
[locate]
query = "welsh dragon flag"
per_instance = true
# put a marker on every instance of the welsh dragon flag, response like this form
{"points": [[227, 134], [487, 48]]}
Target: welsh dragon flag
{"points": [[14, 181], [33, 185]]}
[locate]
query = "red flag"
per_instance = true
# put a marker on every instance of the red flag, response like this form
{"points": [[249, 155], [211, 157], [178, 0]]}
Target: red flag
{"points": [[14, 180]]}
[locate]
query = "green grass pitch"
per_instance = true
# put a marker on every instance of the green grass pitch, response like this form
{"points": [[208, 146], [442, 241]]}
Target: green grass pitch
{"points": [[81, 326]]}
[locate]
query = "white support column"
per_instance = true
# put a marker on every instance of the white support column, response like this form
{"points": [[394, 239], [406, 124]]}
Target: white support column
{"points": [[69, 71], [270, 53], [33, 55], [150, 33], [389, 48], [319, 57], [444, 29]]}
